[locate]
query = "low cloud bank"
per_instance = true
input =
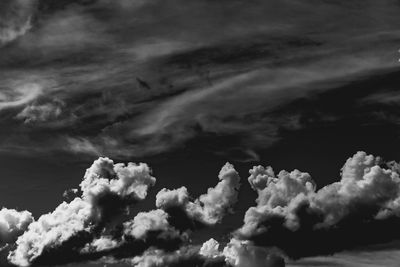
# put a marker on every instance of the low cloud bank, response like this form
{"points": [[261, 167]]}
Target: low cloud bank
{"points": [[107, 190], [364, 204], [235, 254]]}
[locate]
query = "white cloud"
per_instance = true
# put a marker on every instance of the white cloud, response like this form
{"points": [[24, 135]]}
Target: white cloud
{"points": [[145, 222], [244, 254], [209, 208], [51, 230], [103, 181], [12, 224], [363, 184], [210, 249]]}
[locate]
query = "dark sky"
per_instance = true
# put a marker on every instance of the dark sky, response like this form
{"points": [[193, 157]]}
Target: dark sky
{"points": [[187, 85]]}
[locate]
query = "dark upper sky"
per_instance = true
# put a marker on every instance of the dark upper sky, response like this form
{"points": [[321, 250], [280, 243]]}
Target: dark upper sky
{"points": [[186, 85]]}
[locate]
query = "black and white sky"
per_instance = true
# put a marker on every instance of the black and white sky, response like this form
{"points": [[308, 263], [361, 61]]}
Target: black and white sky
{"points": [[153, 133]]}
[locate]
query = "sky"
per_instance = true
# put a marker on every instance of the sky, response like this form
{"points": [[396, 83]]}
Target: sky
{"points": [[103, 103]]}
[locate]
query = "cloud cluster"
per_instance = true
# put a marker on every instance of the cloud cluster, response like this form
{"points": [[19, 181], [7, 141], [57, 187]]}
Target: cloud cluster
{"points": [[152, 221], [107, 190], [12, 224], [235, 254], [243, 253], [209, 208], [288, 205], [289, 210], [147, 230]]}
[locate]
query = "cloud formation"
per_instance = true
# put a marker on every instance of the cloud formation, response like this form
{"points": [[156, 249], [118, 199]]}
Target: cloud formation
{"points": [[15, 19], [12, 224], [20, 95], [235, 254], [288, 205], [41, 113], [107, 190], [94, 226], [209, 208]]}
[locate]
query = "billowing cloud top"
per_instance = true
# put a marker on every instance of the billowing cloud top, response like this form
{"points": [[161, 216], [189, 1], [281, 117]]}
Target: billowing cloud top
{"points": [[209, 208], [289, 208], [107, 189], [367, 193], [12, 224]]}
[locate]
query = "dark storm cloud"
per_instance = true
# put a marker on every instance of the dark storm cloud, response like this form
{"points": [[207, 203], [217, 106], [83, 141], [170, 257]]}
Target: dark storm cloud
{"points": [[243, 63], [363, 204]]}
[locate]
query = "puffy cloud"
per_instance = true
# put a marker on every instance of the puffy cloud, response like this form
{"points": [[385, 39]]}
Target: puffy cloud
{"points": [[235, 254], [12, 224], [172, 198], [242, 254], [102, 243], [148, 231], [107, 189], [209, 208], [186, 256], [210, 248], [290, 208], [105, 179], [52, 230], [152, 221]]}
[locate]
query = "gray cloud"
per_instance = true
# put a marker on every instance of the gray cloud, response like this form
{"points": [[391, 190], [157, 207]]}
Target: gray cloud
{"points": [[92, 64], [15, 19], [41, 113]]}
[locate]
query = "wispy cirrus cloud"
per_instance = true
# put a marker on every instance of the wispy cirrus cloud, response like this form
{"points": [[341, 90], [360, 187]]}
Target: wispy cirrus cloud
{"points": [[235, 78]]}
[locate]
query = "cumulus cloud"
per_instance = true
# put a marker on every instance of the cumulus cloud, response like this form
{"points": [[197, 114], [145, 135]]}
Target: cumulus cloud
{"points": [[107, 189], [210, 249], [209, 208], [243, 253], [145, 222], [12, 224], [235, 254], [146, 231], [52, 230], [186, 256], [290, 208]]}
